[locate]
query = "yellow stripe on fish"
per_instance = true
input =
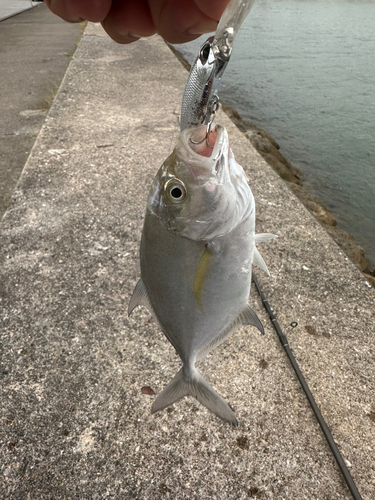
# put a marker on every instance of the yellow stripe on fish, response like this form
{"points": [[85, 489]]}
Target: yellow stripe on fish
{"points": [[200, 275]]}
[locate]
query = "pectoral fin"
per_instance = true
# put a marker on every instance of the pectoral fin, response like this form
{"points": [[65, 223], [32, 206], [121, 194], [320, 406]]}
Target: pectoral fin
{"points": [[246, 317], [257, 258], [139, 297]]}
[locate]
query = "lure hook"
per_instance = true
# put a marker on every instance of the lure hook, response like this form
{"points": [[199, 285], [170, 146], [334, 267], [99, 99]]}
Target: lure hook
{"points": [[206, 136]]}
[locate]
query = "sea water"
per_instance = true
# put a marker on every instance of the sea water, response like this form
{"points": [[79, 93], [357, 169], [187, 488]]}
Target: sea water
{"points": [[304, 70]]}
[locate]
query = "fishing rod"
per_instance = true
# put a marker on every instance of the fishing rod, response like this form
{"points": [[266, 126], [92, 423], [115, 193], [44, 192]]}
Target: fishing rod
{"points": [[284, 342]]}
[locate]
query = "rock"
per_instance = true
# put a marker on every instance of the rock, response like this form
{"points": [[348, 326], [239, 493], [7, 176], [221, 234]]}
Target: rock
{"points": [[246, 126], [232, 113], [263, 133], [370, 279], [314, 205], [266, 146], [263, 145], [284, 172], [350, 246]]}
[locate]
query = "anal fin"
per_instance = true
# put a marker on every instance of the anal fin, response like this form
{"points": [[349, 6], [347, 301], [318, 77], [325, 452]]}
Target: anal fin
{"points": [[249, 317], [259, 262]]}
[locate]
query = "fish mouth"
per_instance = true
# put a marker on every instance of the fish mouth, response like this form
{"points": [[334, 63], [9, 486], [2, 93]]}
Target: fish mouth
{"points": [[202, 149], [206, 141]]}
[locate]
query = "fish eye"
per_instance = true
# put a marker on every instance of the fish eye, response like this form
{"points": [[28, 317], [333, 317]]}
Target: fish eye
{"points": [[175, 190]]}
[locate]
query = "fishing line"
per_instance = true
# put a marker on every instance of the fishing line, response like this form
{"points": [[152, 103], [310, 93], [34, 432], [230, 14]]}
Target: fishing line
{"points": [[284, 341]]}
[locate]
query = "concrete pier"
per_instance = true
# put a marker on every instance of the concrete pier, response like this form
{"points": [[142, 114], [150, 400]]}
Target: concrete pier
{"points": [[74, 421], [9, 8]]}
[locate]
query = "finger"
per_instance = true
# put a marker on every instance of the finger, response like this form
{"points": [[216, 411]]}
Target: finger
{"points": [[75, 11], [212, 8], [180, 21], [127, 21]]}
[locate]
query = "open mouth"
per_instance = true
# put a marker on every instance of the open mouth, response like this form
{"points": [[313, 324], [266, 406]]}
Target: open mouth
{"points": [[203, 140], [202, 150]]}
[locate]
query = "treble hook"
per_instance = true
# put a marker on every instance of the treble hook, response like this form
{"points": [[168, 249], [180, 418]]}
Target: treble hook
{"points": [[206, 136], [214, 106]]}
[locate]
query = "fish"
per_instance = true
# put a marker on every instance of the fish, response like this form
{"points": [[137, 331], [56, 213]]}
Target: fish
{"points": [[197, 249]]}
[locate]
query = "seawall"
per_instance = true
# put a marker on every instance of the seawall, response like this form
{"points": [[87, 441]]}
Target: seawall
{"points": [[78, 376]]}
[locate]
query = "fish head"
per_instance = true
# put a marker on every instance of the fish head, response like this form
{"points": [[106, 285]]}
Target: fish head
{"points": [[200, 192]]}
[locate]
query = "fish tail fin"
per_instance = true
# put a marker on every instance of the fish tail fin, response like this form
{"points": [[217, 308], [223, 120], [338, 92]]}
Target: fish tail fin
{"points": [[194, 385]]}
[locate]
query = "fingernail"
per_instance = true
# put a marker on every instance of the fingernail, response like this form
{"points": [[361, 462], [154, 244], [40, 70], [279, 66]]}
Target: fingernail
{"points": [[201, 28]]}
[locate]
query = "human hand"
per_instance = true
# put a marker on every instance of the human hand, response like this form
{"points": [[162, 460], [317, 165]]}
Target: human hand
{"points": [[177, 21]]}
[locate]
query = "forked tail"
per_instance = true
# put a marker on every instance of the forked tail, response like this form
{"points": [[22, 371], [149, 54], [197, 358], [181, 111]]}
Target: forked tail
{"points": [[194, 385]]}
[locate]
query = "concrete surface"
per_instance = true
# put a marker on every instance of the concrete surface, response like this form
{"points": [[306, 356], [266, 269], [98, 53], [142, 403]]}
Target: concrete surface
{"points": [[35, 51], [9, 8], [74, 420]]}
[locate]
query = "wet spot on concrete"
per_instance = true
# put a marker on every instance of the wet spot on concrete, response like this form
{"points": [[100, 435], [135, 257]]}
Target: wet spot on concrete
{"points": [[263, 363], [311, 330], [164, 488], [147, 390], [254, 492], [243, 443]]}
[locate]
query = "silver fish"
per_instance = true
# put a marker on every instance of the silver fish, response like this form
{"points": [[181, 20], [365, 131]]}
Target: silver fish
{"points": [[197, 249]]}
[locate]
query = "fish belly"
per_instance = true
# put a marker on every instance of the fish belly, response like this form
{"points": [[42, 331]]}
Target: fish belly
{"points": [[196, 288]]}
